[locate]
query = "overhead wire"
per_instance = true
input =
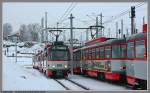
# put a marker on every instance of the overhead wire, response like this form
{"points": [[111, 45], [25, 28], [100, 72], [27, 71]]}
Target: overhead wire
{"points": [[123, 13], [70, 8], [66, 12]]}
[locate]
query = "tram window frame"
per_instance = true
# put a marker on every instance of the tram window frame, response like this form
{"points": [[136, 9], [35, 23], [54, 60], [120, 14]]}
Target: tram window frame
{"points": [[86, 53], [97, 53], [123, 52], [83, 54], [74, 54], [102, 52], [143, 43], [93, 53], [107, 50], [116, 50], [129, 55], [78, 55], [89, 53]]}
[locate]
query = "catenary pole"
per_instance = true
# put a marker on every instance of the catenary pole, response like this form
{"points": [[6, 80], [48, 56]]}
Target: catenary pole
{"points": [[71, 42]]}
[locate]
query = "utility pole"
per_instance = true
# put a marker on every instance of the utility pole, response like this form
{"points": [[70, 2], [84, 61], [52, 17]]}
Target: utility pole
{"points": [[109, 32], [16, 48], [71, 41], [127, 33], [57, 35], [46, 27], [132, 20], [87, 35], [64, 37], [16, 35], [143, 20], [101, 24], [42, 26], [122, 28], [116, 29], [96, 27], [81, 37]]}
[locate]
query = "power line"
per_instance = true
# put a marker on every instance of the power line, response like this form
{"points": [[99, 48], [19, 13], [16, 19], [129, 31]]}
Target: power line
{"points": [[68, 11], [123, 13]]}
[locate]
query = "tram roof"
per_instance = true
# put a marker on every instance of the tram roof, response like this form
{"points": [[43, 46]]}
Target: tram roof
{"points": [[136, 36], [110, 41]]}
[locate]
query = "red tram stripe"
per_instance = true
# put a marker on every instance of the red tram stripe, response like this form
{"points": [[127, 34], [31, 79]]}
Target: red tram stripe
{"points": [[56, 61]]}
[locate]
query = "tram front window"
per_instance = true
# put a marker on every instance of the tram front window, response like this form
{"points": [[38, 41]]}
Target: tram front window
{"points": [[59, 55]]}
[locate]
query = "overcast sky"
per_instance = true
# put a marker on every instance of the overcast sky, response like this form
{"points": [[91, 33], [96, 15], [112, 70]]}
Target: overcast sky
{"points": [[26, 13]]}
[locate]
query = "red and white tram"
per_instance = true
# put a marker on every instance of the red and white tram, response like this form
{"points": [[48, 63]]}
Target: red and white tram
{"points": [[54, 60], [103, 58]]}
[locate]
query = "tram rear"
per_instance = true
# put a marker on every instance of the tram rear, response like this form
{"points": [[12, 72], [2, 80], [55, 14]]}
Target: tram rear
{"points": [[136, 62]]}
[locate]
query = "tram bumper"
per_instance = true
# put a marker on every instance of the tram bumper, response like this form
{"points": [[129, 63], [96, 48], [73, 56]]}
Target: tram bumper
{"points": [[60, 72]]}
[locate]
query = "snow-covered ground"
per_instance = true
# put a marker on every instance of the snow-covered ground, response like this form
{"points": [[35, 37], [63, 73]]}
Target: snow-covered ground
{"points": [[21, 76], [94, 84]]}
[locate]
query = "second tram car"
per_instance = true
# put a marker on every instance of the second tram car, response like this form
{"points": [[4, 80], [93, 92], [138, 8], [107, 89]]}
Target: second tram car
{"points": [[77, 61], [105, 60], [120, 59]]}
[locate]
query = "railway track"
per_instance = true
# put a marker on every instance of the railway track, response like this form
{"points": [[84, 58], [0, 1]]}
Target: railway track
{"points": [[70, 85]]}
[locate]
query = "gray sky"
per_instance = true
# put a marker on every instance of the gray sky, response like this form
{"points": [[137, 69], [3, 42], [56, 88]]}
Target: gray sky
{"points": [[25, 13]]}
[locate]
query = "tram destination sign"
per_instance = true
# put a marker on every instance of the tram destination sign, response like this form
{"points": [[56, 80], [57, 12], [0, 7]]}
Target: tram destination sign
{"points": [[59, 47]]}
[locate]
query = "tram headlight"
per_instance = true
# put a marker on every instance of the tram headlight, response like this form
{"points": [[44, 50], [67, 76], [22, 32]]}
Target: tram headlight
{"points": [[53, 66], [65, 66]]}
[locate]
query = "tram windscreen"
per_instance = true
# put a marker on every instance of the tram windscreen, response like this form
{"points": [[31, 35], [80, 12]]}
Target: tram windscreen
{"points": [[59, 53]]}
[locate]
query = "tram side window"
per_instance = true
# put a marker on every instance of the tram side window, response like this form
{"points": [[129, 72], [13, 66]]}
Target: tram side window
{"points": [[108, 52], [102, 52], [130, 50], [140, 49], [93, 53], [83, 54], [78, 56], [90, 54], [123, 51], [97, 53], [86, 54], [74, 56], [116, 51]]}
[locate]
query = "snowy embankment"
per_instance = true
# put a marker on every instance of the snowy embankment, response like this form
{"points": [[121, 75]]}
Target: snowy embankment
{"points": [[21, 76]]}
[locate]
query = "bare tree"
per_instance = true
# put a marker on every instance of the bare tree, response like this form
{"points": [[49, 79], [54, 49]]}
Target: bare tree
{"points": [[7, 29], [29, 32], [23, 31], [33, 29]]}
